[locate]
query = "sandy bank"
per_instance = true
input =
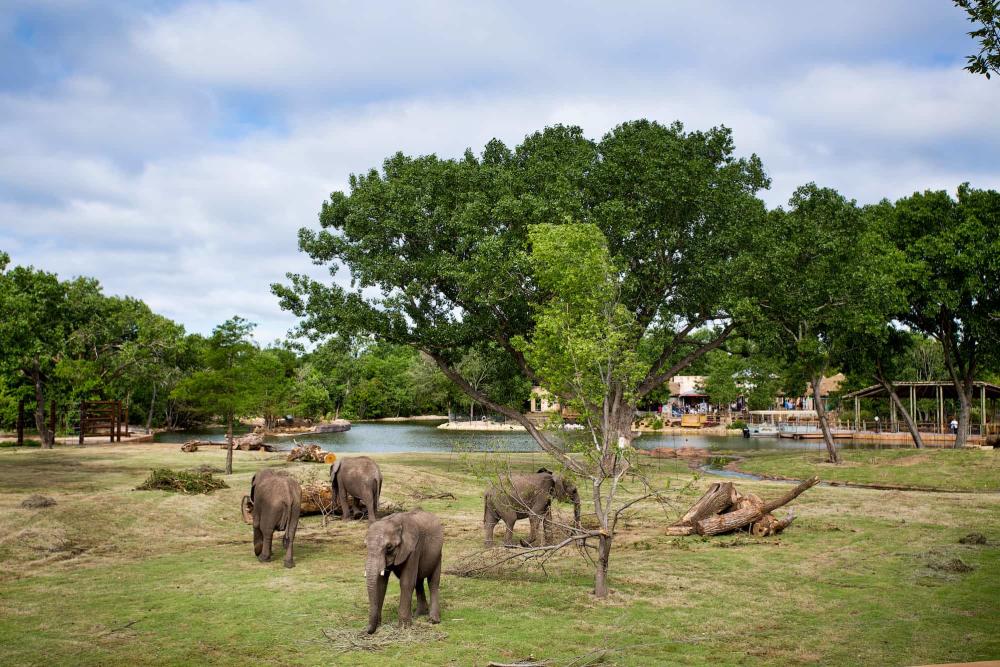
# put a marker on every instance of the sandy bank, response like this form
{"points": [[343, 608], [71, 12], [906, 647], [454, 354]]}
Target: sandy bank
{"points": [[481, 426]]}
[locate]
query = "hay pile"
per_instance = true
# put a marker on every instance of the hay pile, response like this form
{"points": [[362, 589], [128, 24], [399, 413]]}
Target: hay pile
{"points": [[181, 481], [388, 636]]}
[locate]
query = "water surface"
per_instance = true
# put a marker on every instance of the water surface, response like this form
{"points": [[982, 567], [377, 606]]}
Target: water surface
{"points": [[422, 437]]}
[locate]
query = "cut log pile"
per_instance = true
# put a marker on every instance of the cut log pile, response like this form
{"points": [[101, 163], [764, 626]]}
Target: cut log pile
{"points": [[692, 453], [247, 443], [311, 453], [317, 498], [723, 509]]}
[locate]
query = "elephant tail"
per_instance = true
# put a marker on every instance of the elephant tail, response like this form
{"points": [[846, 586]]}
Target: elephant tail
{"points": [[376, 493]]}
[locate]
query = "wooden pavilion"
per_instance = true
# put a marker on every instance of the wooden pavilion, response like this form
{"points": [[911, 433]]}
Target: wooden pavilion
{"points": [[985, 393]]}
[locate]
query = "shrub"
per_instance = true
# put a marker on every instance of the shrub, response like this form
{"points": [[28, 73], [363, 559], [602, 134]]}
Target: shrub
{"points": [[657, 424], [738, 423], [181, 481]]}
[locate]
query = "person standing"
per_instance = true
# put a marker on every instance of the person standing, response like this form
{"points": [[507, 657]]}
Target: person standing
{"points": [[954, 426]]}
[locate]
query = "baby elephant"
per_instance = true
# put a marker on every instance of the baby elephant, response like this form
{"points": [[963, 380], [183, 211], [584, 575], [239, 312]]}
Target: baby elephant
{"points": [[273, 504], [409, 545], [357, 477], [527, 497]]}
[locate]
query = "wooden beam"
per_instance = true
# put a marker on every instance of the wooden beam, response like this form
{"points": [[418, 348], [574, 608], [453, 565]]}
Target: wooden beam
{"points": [[20, 422]]}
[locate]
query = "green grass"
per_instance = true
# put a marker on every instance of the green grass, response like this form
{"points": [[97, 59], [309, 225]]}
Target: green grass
{"points": [[958, 470], [113, 576]]}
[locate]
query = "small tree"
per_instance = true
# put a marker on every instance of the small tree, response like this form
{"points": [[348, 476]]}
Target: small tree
{"points": [[222, 386]]}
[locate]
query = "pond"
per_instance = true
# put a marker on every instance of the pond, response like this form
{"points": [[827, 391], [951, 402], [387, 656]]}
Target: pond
{"points": [[423, 437]]}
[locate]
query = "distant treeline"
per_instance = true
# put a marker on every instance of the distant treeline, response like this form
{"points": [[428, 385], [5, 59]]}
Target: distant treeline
{"points": [[65, 341]]}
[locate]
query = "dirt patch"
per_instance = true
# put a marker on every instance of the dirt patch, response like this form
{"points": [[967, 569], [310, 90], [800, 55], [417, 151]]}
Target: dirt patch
{"points": [[973, 538], [36, 501], [915, 459]]}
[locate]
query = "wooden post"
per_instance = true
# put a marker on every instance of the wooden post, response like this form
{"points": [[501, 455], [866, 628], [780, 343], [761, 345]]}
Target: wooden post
{"points": [[913, 403], [111, 421], [857, 413], [117, 407], [940, 397], [20, 422], [982, 409], [892, 412], [126, 420], [83, 422]]}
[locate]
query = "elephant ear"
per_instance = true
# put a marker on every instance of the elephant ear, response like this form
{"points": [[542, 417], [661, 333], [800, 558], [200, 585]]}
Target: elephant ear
{"points": [[408, 541], [545, 470], [253, 485], [246, 508]]}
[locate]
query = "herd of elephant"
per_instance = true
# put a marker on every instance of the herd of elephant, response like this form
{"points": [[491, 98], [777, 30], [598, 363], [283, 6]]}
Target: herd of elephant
{"points": [[407, 544]]}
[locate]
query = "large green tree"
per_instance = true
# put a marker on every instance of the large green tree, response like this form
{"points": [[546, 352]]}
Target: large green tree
{"points": [[829, 277], [953, 289], [985, 16], [439, 257]]}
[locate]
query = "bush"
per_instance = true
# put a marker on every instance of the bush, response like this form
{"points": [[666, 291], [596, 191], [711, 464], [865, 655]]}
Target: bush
{"points": [[180, 481], [657, 424], [738, 423]]}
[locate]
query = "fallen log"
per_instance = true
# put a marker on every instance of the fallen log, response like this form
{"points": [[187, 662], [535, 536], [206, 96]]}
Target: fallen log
{"points": [[722, 509]]}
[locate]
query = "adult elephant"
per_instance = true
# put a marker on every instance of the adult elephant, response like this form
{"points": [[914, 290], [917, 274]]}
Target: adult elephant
{"points": [[359, 478], [274, 503], [407, 544], [527, 497]]}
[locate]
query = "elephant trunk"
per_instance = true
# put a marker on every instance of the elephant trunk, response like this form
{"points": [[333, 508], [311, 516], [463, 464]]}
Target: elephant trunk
{"points": [[376, 580]]}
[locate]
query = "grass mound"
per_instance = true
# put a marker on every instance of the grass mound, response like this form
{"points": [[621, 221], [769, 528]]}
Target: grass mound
{"points": [[973, 538], [35, 501], [181, 481]]}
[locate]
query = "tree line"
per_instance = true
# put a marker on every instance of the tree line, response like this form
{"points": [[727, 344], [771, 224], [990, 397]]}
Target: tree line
{"points": [[65, 341]]}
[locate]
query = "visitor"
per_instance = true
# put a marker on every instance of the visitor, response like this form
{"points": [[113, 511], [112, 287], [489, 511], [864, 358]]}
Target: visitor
{"points": [[954, 426]]}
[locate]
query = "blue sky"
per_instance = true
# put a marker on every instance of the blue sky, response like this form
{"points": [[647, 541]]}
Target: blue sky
{"points": [[172, 149]]}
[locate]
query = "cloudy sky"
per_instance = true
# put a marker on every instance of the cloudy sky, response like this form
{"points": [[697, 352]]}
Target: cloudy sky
{"points": [[172, 149]]}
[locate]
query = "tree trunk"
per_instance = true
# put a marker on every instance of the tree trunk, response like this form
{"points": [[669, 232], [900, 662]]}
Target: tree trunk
{"points": [[152, 404], [964, 413], [824, 425], [907, 417], [43, 430], [229, 447], [603, 558]]}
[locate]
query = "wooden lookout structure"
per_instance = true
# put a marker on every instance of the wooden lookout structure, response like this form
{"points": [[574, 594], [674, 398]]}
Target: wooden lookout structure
{"points": [[985, 397], [103, 418]]}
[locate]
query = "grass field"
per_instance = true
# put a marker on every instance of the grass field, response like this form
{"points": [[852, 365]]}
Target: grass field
{"points": [[113, 576], [952, 469]]}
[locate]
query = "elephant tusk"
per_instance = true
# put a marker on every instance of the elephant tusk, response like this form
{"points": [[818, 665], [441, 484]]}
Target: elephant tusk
{"points": [[382, 573]]}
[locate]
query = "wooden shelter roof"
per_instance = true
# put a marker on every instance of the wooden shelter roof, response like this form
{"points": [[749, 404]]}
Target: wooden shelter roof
{"points": [[925, 389]]}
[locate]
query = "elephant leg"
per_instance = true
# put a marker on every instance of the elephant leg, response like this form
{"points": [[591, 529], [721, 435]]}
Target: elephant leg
{"points": [[289, 541], [508, 538], [490, 519], [258, 539], [533, 535], [421, 598], [407, 582], [265, 553], [434, 583], [371, 507], [346, 510]]}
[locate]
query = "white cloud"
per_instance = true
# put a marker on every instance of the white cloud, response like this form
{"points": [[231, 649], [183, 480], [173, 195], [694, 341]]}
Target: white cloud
{"points": [[135, 167]]}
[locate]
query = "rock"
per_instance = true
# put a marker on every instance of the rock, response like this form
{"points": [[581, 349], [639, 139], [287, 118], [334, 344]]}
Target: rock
{"points": [[336, 426]]}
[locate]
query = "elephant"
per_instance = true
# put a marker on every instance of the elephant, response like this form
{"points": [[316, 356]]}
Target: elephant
{"points": [[359, 478], [407, 544], [274, 503], [527, 497]]}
